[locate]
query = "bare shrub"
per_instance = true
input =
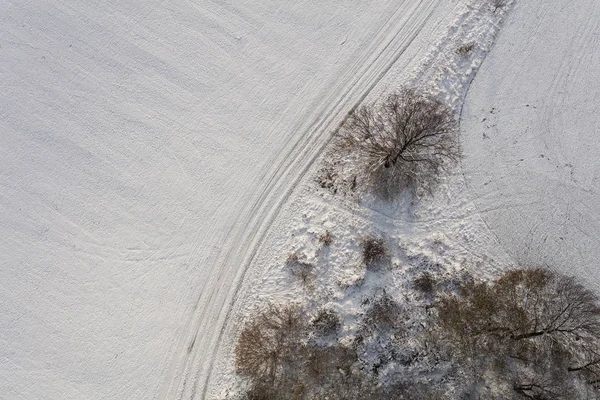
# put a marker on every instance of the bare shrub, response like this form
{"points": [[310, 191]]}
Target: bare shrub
{"points": [[424, 283], [373, 251], [327, 178], [402, 143], [383, 313], [465, 49], [326, 239], [269, 340], [326, 322], [299, 268]]}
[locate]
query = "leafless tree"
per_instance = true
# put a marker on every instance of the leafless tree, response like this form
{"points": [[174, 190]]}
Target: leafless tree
{"points": [[268, 340], [544, 322], [403, 142]]}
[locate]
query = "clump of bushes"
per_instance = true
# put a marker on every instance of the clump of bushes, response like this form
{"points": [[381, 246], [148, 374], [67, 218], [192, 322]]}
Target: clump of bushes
{"points": [[533, 329], [275, 353], [529, 334], [299, 268]]}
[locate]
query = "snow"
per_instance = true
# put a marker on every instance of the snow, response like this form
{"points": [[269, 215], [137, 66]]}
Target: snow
{"points": [[159, 157], [145, 147], [443, 234], [530, 133]]}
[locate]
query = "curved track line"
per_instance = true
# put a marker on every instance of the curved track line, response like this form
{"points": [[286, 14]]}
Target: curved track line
{"points": [[186, 382]]}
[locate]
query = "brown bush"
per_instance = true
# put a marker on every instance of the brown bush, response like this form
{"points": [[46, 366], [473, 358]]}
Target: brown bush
{"points": [[383, 313], [373, 251], [302, 270], [326, 239], [326, 322], [424, 283]]}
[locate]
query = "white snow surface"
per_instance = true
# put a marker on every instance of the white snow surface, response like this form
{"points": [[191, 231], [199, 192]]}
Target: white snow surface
{"points": [[530, 126], [442, 234], [145, 147]]}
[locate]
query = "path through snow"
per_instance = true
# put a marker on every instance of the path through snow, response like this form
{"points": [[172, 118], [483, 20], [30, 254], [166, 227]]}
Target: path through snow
{"points": [[143, 145]]}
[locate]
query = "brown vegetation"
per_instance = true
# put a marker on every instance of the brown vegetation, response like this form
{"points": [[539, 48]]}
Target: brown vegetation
{"points": [[531, 324], [402, 143]]}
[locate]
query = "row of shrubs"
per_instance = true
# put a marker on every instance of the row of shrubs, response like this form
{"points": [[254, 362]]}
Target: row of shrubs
{"points": [[531, 334]]}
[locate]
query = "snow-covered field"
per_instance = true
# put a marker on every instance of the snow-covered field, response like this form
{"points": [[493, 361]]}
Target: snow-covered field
{"points": [[157, 168], [145, 146], [531, 124]]}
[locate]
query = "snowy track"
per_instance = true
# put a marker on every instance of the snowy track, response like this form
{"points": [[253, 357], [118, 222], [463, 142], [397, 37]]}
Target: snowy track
{"points": [[530, 125], [192, 375], [146, 146]]}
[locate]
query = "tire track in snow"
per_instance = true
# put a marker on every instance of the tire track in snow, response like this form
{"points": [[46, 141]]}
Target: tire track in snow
{"points": [[192, 373]]}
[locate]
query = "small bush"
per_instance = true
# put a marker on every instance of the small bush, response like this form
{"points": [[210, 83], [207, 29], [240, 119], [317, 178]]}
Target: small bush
{"points": [[326, 239], [373, 251], [300, 269], [465, 49], [334, 178], [326, 322], [425, 283], [383, 313], [327, 179]]}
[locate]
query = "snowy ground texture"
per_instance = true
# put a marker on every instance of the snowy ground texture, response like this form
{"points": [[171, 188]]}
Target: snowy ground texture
{"points": [[150, 150], [442, 234], [145, 146], [530, 124]]}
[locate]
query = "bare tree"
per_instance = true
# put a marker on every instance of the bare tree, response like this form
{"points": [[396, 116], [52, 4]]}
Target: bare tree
{"points": [[404, 141], [544, 324], [269, 340]]}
